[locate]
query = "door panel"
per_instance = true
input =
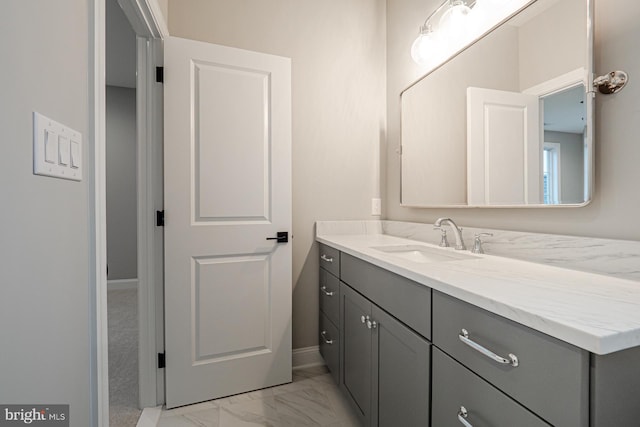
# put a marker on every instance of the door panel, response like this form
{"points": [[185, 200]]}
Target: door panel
{"points": [[227, 189], [228, 151], [245, 307]]}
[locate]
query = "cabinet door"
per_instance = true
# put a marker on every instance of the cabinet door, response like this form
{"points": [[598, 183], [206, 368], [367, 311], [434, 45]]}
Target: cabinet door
{"points": [[356, 345], [401, 361]]}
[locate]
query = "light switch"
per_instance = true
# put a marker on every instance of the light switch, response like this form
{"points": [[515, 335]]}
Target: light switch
{"points": [[75, 154], [50, 147], [64, 150], [57, 149]]}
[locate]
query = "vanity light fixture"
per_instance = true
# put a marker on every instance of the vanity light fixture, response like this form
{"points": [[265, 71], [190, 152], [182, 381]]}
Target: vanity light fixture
{"points": [[454, 24]]}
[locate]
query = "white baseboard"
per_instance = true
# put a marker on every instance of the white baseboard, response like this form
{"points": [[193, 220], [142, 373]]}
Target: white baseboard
{"points": [[149, 417], [122, 284], [306, 357]]}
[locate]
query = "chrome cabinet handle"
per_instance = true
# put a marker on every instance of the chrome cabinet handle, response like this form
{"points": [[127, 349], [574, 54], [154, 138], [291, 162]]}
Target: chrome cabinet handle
{"points": [[513, 359], [371, 324], [327, 293], [462, 417], [323, 334], [326, 258]]}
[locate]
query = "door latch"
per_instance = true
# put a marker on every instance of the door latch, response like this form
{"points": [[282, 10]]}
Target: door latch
{"points": [[281, 237]]}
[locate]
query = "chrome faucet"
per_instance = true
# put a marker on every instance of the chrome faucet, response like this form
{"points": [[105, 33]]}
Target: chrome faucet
{"points": [[457, 231]]}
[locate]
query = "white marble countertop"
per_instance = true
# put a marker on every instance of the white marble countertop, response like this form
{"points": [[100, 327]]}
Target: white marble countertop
{"points": [[598, 313]]}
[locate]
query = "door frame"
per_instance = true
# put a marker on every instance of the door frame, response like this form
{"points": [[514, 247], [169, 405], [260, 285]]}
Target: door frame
{"points": [[150, 27]]}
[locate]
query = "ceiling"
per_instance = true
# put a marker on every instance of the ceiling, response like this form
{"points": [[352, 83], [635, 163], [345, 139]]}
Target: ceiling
{"points": [[565, 111], [121, 48]]}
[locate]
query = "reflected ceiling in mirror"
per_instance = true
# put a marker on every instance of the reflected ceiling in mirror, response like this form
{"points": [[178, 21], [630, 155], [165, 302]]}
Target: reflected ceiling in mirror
{"points": [[507, 121]]}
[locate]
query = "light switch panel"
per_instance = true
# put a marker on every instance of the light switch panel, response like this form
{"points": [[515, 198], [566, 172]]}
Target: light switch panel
{"points": [[57, 149]]}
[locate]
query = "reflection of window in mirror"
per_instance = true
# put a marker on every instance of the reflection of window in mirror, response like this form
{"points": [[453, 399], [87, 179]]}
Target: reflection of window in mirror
{"points": [[551, 173]]}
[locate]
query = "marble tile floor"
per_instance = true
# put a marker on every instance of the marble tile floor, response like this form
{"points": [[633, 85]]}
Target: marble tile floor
{"points": [[312, 399]]}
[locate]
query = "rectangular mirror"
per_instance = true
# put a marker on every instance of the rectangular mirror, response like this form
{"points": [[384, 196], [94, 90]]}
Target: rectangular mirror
{"points": [[508, 121]]}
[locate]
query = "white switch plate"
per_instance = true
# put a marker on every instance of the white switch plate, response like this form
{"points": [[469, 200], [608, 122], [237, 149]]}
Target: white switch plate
{"points": [[57, 149], [376, 207]]}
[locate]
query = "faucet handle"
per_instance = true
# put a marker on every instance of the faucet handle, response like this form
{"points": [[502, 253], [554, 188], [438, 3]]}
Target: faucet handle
{"points": [[444, 243], [477, 243]]}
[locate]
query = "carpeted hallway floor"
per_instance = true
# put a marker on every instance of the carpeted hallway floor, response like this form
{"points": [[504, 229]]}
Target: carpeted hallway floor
{"points": [[122, 310]]}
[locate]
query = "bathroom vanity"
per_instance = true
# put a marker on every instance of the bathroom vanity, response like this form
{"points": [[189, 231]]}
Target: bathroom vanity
{"points": [[417, 335]]}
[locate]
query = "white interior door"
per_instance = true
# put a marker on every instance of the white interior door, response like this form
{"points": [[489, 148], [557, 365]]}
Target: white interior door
{"points": [[227, 151], [504, 148]]}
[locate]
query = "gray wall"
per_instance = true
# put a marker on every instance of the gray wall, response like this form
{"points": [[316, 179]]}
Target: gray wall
{"points": [[121, 183], [337, 49], [617, 124], [44, 238]]}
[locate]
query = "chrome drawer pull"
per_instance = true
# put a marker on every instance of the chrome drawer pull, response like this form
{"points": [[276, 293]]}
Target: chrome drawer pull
{"points": [[464, 337], [323, 334], [462, 417], [327, 293], [326, 258]]}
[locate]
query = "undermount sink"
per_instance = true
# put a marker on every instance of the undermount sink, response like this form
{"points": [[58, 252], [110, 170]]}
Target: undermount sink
{"points": [[423, 254]]}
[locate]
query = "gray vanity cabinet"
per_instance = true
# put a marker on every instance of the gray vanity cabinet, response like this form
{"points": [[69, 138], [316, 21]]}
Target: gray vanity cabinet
{"points": [[385, 365], [400, 349]]}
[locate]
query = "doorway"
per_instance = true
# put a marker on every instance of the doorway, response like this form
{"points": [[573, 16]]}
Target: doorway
{"points": [[121, 215], [127, 129]]}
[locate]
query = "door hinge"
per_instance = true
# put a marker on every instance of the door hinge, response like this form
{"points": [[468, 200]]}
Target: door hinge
{"points": [[160, 74], [161, 361], [160, 218]]}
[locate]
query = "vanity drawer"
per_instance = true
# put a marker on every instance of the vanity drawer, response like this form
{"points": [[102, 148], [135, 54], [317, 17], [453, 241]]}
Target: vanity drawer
{"points": [[406, 300], [454, 387], [330, 259], [330, 346], [551, 377], [329, 296]]}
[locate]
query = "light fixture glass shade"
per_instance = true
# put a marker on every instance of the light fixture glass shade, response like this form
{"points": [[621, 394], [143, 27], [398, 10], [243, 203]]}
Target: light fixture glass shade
{"points": [[454, 22], [425, 49], [481, 17]]}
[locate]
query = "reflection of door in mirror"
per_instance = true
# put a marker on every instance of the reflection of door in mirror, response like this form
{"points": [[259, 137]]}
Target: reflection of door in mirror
{"points": [[503, 148]]}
